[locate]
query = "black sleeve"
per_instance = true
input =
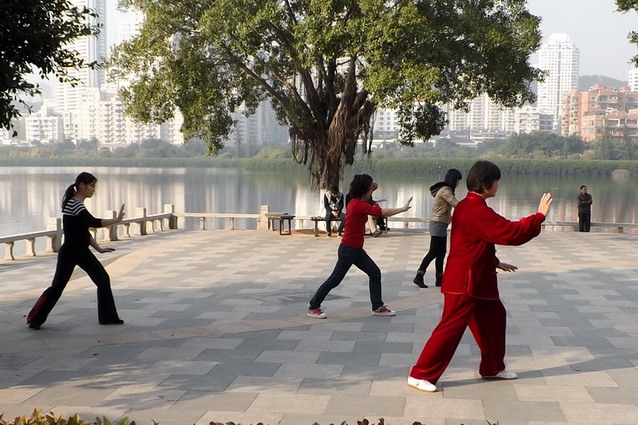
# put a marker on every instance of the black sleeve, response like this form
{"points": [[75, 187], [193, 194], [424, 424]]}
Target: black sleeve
{"points": [[89, 220]]}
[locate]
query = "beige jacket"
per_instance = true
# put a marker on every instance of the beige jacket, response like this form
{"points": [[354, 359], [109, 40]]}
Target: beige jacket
{"points": [[444, 201]]}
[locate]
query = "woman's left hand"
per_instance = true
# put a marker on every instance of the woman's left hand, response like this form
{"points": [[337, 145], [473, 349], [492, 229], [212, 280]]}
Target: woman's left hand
{"points": [[105, 249], [507, 267]]}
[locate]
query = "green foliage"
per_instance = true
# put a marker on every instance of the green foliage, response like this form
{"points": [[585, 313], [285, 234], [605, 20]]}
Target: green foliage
{"points": [[325, 65], [34, 37], [609, 148], [407, 166], [542, 145], [626, 6]]}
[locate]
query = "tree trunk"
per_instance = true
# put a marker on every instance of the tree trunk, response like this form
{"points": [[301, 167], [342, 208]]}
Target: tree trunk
{"points": [[325, 163]]}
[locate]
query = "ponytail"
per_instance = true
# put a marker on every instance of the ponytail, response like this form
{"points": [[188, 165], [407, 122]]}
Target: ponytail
{"points": [[68, 194]]}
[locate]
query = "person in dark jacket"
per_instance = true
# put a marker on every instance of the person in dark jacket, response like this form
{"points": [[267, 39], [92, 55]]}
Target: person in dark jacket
{"points": [[75, 252], [333, 202], [584, 210]]}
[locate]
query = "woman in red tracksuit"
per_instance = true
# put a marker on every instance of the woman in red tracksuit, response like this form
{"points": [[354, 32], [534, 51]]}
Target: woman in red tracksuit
{"points": [[469, 285]]}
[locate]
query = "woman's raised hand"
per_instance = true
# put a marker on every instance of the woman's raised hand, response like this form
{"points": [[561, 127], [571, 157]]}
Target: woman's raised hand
{"points": [[407, 205], [120, 215], [546, 201]]}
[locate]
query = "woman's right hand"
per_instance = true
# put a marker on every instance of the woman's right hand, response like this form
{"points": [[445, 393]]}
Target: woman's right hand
{"points": [[546, 201], [120, 216], [407, 205]]}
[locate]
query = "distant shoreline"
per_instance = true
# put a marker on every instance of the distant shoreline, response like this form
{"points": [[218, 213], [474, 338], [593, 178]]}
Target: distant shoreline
{"points": [[410, 166]]}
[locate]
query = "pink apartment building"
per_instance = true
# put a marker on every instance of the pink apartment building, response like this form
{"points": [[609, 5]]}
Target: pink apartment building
{"points": [[589, 114]]}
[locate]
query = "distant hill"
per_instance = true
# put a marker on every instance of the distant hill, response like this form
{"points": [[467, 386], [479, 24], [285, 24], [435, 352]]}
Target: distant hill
{"points": [[586, 81]]}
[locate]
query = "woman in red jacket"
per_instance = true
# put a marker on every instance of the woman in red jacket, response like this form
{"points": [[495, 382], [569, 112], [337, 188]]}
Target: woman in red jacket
{"points": [[351, 250], [470, 287]]}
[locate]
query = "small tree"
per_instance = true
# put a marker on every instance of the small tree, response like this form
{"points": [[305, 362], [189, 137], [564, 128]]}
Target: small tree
{"points": [[326, 66], [34, 36]]}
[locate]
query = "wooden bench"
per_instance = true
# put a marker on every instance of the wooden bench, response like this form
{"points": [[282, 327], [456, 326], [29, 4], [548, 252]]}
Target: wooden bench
{"points": [[282, 217], [316, 219]]}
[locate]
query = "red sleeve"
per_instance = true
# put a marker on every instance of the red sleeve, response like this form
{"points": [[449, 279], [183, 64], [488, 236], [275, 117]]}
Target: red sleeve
{"points": [[501, 231], [373, 210]]}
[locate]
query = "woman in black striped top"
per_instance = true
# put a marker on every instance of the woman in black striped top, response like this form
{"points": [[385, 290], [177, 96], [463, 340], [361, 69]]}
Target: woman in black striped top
{"points": [[75, 251]]}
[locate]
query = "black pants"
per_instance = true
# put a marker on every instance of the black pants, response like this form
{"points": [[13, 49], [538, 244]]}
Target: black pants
{"points": [[347, 258], [584, 221], [438, 248], [68, 258], [330, 218]]}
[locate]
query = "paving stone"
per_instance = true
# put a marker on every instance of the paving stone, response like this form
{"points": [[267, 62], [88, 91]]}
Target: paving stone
{"points": [[203, 401], [216, 330], [366, 406], [290, 403]]}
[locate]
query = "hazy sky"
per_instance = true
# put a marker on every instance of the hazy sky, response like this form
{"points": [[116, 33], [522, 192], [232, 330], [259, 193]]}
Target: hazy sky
{"points": [[594, 26]]}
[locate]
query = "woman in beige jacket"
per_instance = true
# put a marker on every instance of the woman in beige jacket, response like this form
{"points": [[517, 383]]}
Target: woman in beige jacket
{"points": [[444, 201]]}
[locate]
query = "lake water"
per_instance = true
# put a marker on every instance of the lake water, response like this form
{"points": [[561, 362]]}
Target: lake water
{"points": [[30, 195]]}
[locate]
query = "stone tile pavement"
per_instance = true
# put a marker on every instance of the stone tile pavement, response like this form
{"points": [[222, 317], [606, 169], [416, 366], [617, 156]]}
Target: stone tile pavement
{"points": [[216, 330]]}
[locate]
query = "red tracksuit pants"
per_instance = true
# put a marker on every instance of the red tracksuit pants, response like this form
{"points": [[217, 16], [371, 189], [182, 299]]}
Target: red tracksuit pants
{"points": [[486, 320]]}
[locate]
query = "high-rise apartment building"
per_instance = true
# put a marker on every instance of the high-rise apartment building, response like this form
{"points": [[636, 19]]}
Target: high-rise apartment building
{"points": [[587, 113], [90, 49], [257, 130], [129, 25], [560, 59], [633, 79]]}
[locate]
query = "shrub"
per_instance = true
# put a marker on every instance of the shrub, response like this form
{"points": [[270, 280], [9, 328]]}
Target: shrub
{"points": [[37, 418]]}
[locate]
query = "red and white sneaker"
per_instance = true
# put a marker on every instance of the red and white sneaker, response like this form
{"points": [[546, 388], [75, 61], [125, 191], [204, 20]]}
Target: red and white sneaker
{"points": [[384, 310], [316, 313]]}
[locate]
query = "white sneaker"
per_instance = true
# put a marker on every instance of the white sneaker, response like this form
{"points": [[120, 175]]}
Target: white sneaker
{"points": [[422, 385], [503, 374]]}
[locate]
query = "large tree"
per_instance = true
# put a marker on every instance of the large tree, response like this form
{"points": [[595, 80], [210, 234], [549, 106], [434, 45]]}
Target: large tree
{"points": [[326, 66], [34, 37], [627, 6]]}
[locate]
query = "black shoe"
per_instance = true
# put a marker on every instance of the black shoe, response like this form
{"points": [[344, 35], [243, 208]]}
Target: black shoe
{"points": [[439, 280], [418, 281], [112, 322], [376, 233], [33, 326]]}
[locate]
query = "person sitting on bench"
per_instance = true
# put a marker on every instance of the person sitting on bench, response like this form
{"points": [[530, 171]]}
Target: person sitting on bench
{"points": [[333, 203]]}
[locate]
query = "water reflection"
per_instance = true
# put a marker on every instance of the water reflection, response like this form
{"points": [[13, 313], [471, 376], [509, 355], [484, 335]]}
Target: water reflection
{"points": [[29, 195]]}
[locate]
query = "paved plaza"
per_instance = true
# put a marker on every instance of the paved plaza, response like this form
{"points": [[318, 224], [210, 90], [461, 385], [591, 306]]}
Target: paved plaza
{"points": [[216, 331]]}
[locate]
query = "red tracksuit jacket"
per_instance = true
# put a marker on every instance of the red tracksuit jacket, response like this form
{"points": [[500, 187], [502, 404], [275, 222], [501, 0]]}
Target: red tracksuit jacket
{"points": [[471, 264]]}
